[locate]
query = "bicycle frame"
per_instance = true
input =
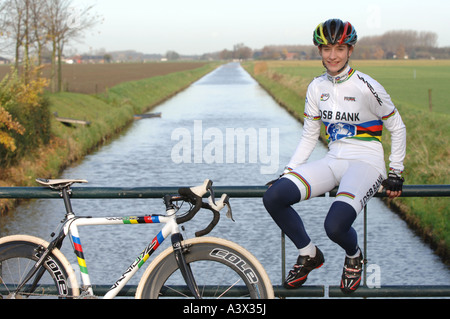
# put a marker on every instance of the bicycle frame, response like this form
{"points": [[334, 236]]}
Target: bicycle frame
{"points": [[71, 229], [171, 227]]}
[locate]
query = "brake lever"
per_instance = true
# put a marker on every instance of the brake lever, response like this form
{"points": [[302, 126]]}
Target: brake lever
{"points": [[229, 212], [211, 192], [224, 201]]}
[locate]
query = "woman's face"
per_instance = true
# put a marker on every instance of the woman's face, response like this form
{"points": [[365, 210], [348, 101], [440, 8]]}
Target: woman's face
{"points": [[335, 57]]}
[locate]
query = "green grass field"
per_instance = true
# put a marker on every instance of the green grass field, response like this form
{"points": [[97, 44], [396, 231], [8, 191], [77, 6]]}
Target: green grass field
{"points": [[428, 132], [406, 81], [409, 82]]}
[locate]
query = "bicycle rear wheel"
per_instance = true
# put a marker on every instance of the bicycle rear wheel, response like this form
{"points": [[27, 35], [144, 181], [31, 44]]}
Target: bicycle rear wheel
{"points": [[221, 268], [18, 254]]}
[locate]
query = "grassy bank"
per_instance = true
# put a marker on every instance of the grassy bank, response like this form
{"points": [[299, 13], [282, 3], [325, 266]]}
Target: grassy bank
{"points": [[109, 113], [408, 82]]}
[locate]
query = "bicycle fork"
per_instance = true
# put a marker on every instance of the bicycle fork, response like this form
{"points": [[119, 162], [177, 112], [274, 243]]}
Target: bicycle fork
{"points": [[38, 269], [177, 238], [184, 267]]}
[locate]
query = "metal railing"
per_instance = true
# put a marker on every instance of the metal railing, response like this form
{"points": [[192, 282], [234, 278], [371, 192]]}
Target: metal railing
{"points": [[251, 192]]}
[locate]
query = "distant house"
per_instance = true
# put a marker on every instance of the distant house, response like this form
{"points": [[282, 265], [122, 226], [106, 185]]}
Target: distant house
{"points": [[291, 56], [86, 59], [93, 59], [4, 61]]}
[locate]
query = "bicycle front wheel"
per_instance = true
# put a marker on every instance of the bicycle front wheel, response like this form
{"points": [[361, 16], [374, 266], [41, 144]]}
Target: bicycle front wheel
{"points": [[221, 268], [19, 254]]}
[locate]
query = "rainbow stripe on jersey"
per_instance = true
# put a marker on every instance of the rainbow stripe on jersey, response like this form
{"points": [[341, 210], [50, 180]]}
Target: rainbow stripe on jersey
{"points": [[303, 181], [346, 194], [368, 131]]}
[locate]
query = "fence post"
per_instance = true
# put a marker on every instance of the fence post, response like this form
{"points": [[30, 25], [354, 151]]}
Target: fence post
{"points": [[365, 247], [283, 257]]}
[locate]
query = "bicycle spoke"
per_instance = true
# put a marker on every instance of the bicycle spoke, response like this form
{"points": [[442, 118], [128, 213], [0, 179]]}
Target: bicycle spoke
{"points": [[229, 288], [176, 291]]}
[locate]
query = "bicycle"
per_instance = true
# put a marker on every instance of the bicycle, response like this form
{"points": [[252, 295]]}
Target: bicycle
{"points": [[32, 267]]}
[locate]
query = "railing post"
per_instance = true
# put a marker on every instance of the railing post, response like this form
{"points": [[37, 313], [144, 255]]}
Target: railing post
{"points": [[283, 257], [365, 247]]}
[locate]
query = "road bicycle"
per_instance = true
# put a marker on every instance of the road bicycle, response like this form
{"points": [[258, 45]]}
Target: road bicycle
{"points": [[31, 267]]}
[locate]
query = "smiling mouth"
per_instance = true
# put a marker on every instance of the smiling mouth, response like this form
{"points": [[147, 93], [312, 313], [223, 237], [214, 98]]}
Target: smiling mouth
{"points": [[333, 63]]}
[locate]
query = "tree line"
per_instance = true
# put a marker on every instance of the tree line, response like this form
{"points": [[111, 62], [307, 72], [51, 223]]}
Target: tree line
{"points": [[401, 44], [397, 44]]}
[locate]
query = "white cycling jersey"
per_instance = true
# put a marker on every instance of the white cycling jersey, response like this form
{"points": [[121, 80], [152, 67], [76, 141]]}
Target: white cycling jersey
{"points": [[353, 108]]}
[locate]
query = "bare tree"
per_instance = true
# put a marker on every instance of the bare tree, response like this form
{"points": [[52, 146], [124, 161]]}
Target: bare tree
{"points": [[38, 30], [13, 25], [65, 23], [3, 15], [23, 24]]}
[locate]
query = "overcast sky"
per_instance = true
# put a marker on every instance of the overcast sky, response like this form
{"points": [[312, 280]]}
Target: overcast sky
{"points": [[201, 26]]}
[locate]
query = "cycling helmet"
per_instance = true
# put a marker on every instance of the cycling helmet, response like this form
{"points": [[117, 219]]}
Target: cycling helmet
{"points": [[334, 31]]}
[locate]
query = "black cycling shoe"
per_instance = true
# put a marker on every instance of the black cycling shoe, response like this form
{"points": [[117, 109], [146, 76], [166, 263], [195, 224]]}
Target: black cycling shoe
{"points": [[351, 275], [305, 264]]}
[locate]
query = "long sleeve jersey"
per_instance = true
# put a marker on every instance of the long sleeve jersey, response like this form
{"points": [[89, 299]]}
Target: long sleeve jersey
{"points": [[353, 108]]}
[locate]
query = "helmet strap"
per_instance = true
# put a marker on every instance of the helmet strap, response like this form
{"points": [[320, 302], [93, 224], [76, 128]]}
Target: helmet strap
{"points": [[343, 68]]}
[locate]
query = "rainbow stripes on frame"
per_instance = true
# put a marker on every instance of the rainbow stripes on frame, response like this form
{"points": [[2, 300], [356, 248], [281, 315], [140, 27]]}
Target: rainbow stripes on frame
{"points": [[79, 253], [127, 220], [141, 220], [152, 247]]}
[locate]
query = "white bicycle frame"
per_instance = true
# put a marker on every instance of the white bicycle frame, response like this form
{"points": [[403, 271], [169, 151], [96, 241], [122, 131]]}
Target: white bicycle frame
{"points": [[71, 229]]}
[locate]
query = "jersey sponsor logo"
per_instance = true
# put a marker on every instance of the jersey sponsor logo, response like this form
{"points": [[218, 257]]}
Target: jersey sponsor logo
{"points": [[375, 94], [325, 96], [339, 116], [337, 131], [372, 191], [350, 98]]}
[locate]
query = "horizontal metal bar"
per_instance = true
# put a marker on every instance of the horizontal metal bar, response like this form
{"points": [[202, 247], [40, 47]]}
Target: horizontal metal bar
{"points": [[159, 192], [393, 291], [211, 291], [280, 292], [236, 291]]}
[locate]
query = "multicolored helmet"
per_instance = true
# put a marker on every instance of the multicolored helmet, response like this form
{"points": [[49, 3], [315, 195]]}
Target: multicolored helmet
{"points": [[334, 31]]}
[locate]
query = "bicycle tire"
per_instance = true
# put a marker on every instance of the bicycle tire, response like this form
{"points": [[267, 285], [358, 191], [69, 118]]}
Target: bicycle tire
{"points": [[18, 254], [210, 252]]}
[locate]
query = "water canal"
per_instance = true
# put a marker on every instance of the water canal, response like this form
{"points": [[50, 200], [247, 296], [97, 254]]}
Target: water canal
{"points": [[196, 138]]}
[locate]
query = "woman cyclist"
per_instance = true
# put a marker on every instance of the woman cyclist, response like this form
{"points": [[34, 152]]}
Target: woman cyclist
{"points": [[353, 108]]}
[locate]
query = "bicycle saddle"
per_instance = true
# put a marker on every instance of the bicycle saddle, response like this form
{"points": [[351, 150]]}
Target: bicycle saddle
{"points": [[59, 183]]}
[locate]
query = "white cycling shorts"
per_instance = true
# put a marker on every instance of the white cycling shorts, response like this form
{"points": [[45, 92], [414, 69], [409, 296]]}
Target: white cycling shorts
{"points": [[358, 181]]}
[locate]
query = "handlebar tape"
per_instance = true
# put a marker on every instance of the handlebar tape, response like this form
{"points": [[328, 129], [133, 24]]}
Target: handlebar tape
{"points": [[193, 199], [211, 225]]}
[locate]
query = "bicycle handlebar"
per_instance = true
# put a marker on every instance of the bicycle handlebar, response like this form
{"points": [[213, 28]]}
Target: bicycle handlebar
{"points": [[194, 195]]}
